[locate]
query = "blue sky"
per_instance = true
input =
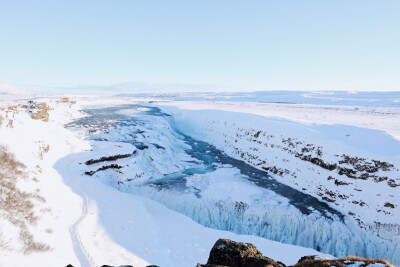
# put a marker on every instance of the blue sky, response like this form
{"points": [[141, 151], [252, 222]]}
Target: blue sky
{"points": [[201, 45]]}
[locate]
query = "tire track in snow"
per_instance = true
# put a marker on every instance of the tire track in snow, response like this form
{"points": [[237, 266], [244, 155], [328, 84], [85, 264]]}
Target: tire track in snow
{"points": [[76, 242], [79, 249]]}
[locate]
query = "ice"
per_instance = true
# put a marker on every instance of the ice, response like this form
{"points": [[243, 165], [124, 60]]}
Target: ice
{"points": [[224, 199], [170, 206]]}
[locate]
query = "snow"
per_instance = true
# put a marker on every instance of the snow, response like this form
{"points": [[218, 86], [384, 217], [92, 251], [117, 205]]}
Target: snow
{"points": [[222, 128], [148, 229], [357, 264], [224, 182], [92, 223], [103, 219], [382, 118], [27, 140], [215, 199], [333, 140]]}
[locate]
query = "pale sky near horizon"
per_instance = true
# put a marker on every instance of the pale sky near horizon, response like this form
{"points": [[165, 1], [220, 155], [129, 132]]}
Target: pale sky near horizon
{"points": [[214, 45]]}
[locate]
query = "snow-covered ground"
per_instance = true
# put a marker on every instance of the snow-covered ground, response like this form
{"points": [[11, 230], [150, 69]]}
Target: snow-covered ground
{"points": [[82, 221], [333, 153], [37, 145], [255, 210], [378, 118], [291, 147], [137, 193], [331, 98]]}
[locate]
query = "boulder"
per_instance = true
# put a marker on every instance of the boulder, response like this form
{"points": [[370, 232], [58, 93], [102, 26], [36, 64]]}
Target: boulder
{"points": [[228, 253]]}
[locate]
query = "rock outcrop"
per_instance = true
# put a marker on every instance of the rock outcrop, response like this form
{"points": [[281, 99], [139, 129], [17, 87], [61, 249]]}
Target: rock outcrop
{"points": [[110, 158], [39, 111], [314, 261], [228, 253]]}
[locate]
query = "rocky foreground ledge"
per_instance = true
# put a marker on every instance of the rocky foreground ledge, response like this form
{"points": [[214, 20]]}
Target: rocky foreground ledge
{"points": [[228, 253]]}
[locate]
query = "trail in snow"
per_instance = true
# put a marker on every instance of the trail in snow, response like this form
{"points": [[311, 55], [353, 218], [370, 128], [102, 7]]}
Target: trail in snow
{"points": [[78, 248], [73, 230]]}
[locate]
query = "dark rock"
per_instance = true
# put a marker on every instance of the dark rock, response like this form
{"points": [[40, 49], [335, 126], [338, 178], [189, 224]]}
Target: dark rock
{"points": [[226, 252], [328, 199], [337, 182], [317, 161], [348, 172], [262, 262], [307, 258], [111, 166], [210, 265], [111, 158], [392, 183], [158, 146], [389, 205], [141, 146], [90, 173], [314, 261]]}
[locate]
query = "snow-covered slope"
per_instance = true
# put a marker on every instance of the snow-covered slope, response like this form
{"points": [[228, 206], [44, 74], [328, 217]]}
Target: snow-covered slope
{"points": [[376, 117], [144, 227], [319, 158], [37, 144], [353, 169], [78, 220], [219, 192]]}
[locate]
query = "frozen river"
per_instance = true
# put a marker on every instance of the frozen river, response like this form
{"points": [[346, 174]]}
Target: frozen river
{"points": [[218, 191]]}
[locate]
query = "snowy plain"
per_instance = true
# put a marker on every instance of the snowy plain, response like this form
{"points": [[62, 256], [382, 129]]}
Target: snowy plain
{"points": [[111, 218]]}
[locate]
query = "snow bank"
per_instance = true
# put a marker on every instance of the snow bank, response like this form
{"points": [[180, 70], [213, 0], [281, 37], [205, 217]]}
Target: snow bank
{"points": [[148, 229], [364, 200], [38, 145]]}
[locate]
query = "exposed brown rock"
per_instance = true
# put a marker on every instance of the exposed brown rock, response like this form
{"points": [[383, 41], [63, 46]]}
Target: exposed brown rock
{"points": [[40, 112], [313, 261], [228, 253]]}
